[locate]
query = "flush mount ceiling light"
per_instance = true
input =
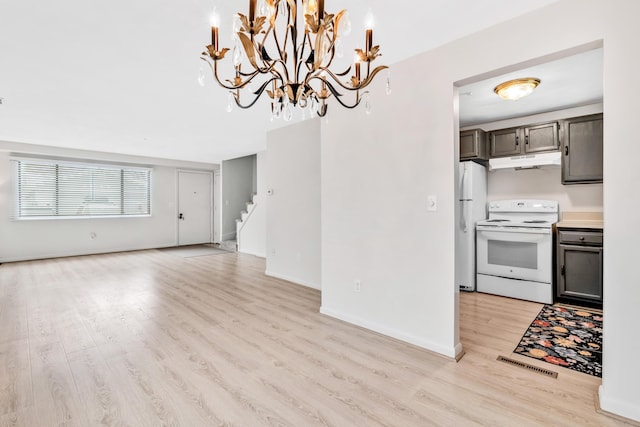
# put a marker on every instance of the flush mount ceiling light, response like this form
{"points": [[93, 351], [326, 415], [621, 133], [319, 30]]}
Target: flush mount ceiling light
{"points": [[287, 52], [516, 89]]}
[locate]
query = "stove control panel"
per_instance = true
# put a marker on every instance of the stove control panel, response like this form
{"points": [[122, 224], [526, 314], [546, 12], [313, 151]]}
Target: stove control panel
{"points": [[524, 205]]}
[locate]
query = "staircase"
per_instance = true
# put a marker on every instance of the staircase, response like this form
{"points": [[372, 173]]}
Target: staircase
{"points": [[232, 245], [251, 228], [229, 245], [245, 215]]}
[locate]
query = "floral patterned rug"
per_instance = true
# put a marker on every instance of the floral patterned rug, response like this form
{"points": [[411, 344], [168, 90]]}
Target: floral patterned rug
{"points": [[566, 337]]}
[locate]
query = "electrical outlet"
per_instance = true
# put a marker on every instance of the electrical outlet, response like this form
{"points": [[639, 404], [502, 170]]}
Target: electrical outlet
{"points": [[357, 285]]}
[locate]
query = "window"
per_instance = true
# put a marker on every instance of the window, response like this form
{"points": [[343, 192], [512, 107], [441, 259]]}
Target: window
{"points": [[46, 189]]}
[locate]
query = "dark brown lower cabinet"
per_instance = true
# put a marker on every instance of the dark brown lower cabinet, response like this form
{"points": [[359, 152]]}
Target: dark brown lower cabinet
{"points": [[579, 265]]}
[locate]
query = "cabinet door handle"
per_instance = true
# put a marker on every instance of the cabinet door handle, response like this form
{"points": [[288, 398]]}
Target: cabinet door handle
{"points": [[566, 150], [517, 142], [526, 140], [562, 270]]}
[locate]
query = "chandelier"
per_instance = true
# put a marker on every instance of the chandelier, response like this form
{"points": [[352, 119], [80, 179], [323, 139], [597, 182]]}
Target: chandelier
{"points": [[290, 58]]}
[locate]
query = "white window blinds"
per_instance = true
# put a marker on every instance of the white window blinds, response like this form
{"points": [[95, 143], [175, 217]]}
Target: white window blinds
{"points": [[63, 189]]}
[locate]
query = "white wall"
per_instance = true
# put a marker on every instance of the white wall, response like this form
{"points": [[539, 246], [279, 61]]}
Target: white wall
{"points": [[377, 171], [237, 187], [293, 211], [621, 373], [253, 235], [545, 183], [36, 239]]}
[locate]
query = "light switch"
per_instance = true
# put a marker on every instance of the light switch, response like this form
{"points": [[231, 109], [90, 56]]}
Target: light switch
{"points": [[432, 203]]}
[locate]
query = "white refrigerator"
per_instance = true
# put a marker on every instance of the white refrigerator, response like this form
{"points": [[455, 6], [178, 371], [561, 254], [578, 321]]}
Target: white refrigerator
{"points": [[472, 208]]}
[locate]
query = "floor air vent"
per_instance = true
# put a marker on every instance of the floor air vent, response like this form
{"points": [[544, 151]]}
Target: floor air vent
{"points": [[533, 368]]}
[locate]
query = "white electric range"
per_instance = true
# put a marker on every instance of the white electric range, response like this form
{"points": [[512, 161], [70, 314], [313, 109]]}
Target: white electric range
{"points": [[514, 249]]}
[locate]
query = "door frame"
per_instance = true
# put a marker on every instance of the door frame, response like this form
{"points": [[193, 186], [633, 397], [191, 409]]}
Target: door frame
{"points": [[217, 205], [177, 201]]}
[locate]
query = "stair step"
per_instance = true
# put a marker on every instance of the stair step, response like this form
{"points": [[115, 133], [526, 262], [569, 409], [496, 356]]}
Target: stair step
{"points": [[229, 245]]}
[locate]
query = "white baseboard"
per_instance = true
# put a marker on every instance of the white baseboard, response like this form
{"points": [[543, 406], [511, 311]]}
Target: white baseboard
{"points": [[259, 255], [450, 352], [458, 350], [293, 280], [629, 410], [64, 254]]}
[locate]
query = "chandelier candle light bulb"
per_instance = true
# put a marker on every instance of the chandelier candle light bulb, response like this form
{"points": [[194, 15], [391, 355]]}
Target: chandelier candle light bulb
{"points": [[310, 7], [215, 24], [252, 11], [369, 23]]}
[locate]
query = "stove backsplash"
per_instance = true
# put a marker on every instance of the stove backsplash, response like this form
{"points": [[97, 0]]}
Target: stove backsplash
{"points": [[544, 184]]}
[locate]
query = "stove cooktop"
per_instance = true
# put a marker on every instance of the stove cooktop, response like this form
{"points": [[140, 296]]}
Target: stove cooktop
{"points": [[523, 213]]}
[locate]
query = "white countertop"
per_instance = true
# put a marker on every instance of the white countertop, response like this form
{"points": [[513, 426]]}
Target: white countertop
{"points": [[592, 220]]}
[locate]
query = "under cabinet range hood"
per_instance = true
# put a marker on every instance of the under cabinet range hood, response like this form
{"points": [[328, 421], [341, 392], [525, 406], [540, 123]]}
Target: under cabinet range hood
{"points": [[527, 161]]}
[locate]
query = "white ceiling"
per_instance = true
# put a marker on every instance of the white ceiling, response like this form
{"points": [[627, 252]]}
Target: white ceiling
{"points": [[568, 82], [121, 76]]}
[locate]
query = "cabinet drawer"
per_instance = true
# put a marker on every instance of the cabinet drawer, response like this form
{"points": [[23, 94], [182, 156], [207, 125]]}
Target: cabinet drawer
{"points": [[580, 237]]}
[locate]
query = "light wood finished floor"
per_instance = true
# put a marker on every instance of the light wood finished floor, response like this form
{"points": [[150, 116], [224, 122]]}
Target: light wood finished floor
{"points": [[151, 339]]}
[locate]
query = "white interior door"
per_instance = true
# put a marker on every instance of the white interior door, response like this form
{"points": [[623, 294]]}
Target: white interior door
{"points": [[194, 207]]}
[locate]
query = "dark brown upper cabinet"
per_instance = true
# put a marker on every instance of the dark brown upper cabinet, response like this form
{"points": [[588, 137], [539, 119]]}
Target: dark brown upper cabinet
{"points": [[473, 145], [582, 150], [524, 140]]}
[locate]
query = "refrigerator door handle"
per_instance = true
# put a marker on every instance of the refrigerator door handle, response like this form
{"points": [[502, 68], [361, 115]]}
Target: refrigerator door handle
{"points": [[463, 182], [463, 196], [463, 217]]}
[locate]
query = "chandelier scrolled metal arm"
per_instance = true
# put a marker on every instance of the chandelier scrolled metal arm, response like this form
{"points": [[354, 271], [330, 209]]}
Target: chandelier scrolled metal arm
{"points": [[292, 71]]}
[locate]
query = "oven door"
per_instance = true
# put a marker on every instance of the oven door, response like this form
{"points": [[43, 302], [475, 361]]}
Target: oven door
{"points": [[514, 252]]}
